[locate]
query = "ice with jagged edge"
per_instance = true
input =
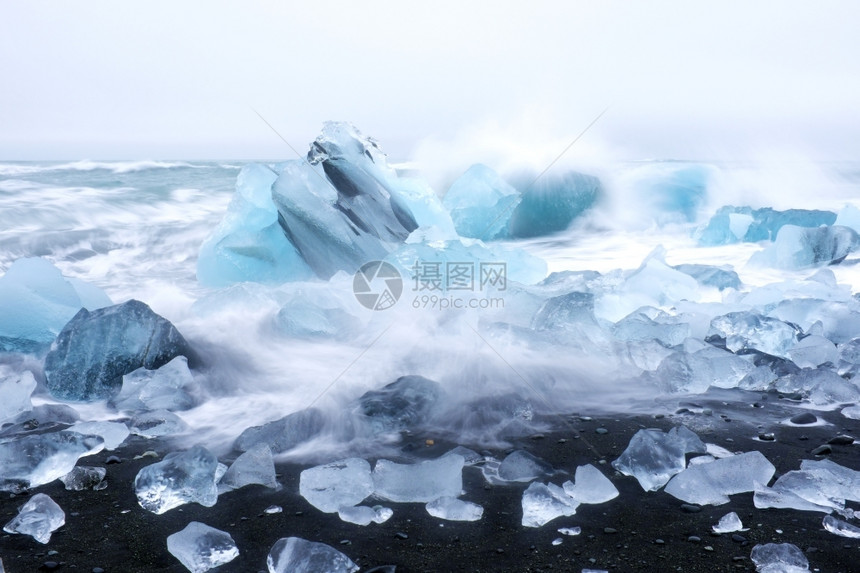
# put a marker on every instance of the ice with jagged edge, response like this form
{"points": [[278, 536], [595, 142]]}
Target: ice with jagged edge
{"points": [[170, 387], [743, 224], [419, 482], [85, 477], [542, 503], [36, 301], [729, 523], [332, 486], [798, 248], [33, 460], [254, 467], [180, 478], [363, 515], [653, 457], [819, 485], [481, 203], [453, 509], [16, 389], [590, 486], [296, 555], [521, 466], [840, 527], [113, 433], [201, 548], [157, 423], [712, 483], [38, 518], [779, 558]]}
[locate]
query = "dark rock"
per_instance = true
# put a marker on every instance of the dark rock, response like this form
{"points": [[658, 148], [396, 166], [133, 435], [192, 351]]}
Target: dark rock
{"points": [[841, 440], [690, 508], [822, 450], [804, 418]]}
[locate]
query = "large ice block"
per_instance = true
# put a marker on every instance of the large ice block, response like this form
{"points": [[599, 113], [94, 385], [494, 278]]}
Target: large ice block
{"points": [[331, 486], [419, 482], [180, 478], [283, 434], [39, 518], [481, 203], [799, 248], [750, 330], [33, 460], [699, 370], [712, 483], [653, 457], [779, 558], [405, 403], [296, 555], [550, 202], [201, 548]]}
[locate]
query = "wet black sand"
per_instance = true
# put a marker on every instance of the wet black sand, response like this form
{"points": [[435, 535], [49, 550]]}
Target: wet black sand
{"points": [[647, 531]]}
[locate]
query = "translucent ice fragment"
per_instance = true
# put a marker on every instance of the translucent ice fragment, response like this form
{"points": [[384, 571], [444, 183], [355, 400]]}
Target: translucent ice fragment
{"points": [[296, 555], [39, 518], [201, 548], [335, 485], [453, 509]]}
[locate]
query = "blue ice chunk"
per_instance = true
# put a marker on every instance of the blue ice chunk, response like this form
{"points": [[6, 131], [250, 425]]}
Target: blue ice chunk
{"points": [[751, 331], [307, 316], [36, 301], [37, 459], [170, 387], [799, 247], [744, 224], [481, 203], [180, 478], [675, 191], [283, 434], [95, 349], [707, 275], [405, 403], [296, 555], [550, 202], [249, 244]]}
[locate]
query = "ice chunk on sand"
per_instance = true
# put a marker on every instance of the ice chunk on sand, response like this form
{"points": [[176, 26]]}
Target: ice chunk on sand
{"points": [[419, 482], [113, 433], [363, 515], [331, 486], [157, 423], [201, 548], [749, 330], [180, 478], [800, 248], [95, 349], [779, 558], [766, 497], [712, 483], [653, 457], [170, 387], [453, 509], [544, 502], [255, 466], [84, 477], [590, 486], [296, 555], [522, 466], [729, 523], [821, 386], [283, 434], [820, 485], [841, 528], [813, 351], [249, 244], [405, 403], [481, 203], [37, 459], [550, 203], [39, 518], [16, 389], [36, 300]]}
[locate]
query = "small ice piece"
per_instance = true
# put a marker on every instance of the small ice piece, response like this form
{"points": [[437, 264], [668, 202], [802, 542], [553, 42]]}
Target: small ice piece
{"points": [[590, 486], [729, 523], [95, 349], [557, 541], [272, 509], [283, 434], [16, 389], [335, 485], [712, 483], [570, 530], [405, 403], [421, 482], [296, 555], [521, 466], [453, 509], [256, 466], [180, 478], [39, 517], [653, 457], [157, 423], [544, 502], [113, 433], [813, 351], [751, 331], [359, 515], [37, 459], [201, 548], [841, 528], [84, 477], [779, 558], [170, 387], [481, 203]]}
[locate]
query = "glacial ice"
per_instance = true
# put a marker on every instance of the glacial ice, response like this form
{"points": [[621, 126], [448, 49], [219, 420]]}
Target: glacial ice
{"points": [[544, 502], [712, 483], [765, 497], [33, 460], [707, 275], [590, 486], [453, 509], [840, 528], [697, 371], [180, 478], [113, 433], [334, 485], [744, 224], [521, 466], [420, 482], [38, 518], [36, 301], [640, 327], [752, 331], [813, 351], [363, 515], [95, 349], [821, 386], [405, 403], [729, 523], [481, 203], [170, 387], [16, 389], [157, 423], [549, 203], [308, 317], [653, 457], [283, 434], [798, 248], [675, 191], [256, 466], [84, 477], [296, 555], [821, 482], [779, 558], [201, 548]]}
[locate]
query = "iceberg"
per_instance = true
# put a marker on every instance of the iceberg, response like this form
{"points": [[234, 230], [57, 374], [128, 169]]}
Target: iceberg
{"points": [[170, 387], [256, 466], [481, 203], [420, 482], [544, 502], [283, 434], [453, 509], [332, 486], [38, 518], [201, 548], [96, 349], [296, 555], [798, 248], [712, 483], [180, 478], [16, 389], [653, 457], [744, 224], [33, 460], [779, 558], [405, 403], [549, 203], [36, 300]]}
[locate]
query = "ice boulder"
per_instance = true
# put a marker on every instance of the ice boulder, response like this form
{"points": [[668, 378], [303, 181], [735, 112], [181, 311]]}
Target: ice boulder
{"points": [[283, 434], [180, 478], [420, 482], [744, 224], [779, 558], [201, 548], [256, 466], [296, 555], [170, 387], [331, 486], [799, 248], [653, 457], [405, 403], [38, 518], [481, 203], [544, 502], [551, 202], [96, 349], [16, 389], [36, 459], [712, 483], [36, 300]]}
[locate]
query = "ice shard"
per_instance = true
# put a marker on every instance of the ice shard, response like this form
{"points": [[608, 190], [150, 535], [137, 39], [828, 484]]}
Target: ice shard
{"points": [[180, 478], [254, 467], [544, 502], [653, 457], [729, 523], [420, 482], [201, 548], [331, 486], [590, 486], [283, 434], [712, 483], [296, 555], [453, 509], [38, 518], [37, 459]]}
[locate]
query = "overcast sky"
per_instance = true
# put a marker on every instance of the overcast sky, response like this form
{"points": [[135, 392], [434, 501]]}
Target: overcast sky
{"points": [[170, 79]]}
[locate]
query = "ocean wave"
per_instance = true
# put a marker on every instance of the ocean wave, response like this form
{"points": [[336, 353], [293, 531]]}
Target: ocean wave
{"points": [[11, 169]]}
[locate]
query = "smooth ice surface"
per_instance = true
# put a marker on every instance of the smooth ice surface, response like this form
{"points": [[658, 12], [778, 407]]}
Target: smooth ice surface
{"points": [[331, 486], [799, 248], [283, 434], [157, 423], [201, 548], [95, 349], [453, 509], [712, 483], [113, 433], [590, 486], [363, 515], [779, 558], [653, 457], [182, 477], [551, 202], [296, 555], [36, 301], [256, 466], [419, 482], [841, 528], [544, 502], [39, 518], [34, 460], [522, 466], [405, 403], [821, 482], [16, 389], [729, 523], [481, 203], [170, 387], [84, 477], [744, 224]]}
